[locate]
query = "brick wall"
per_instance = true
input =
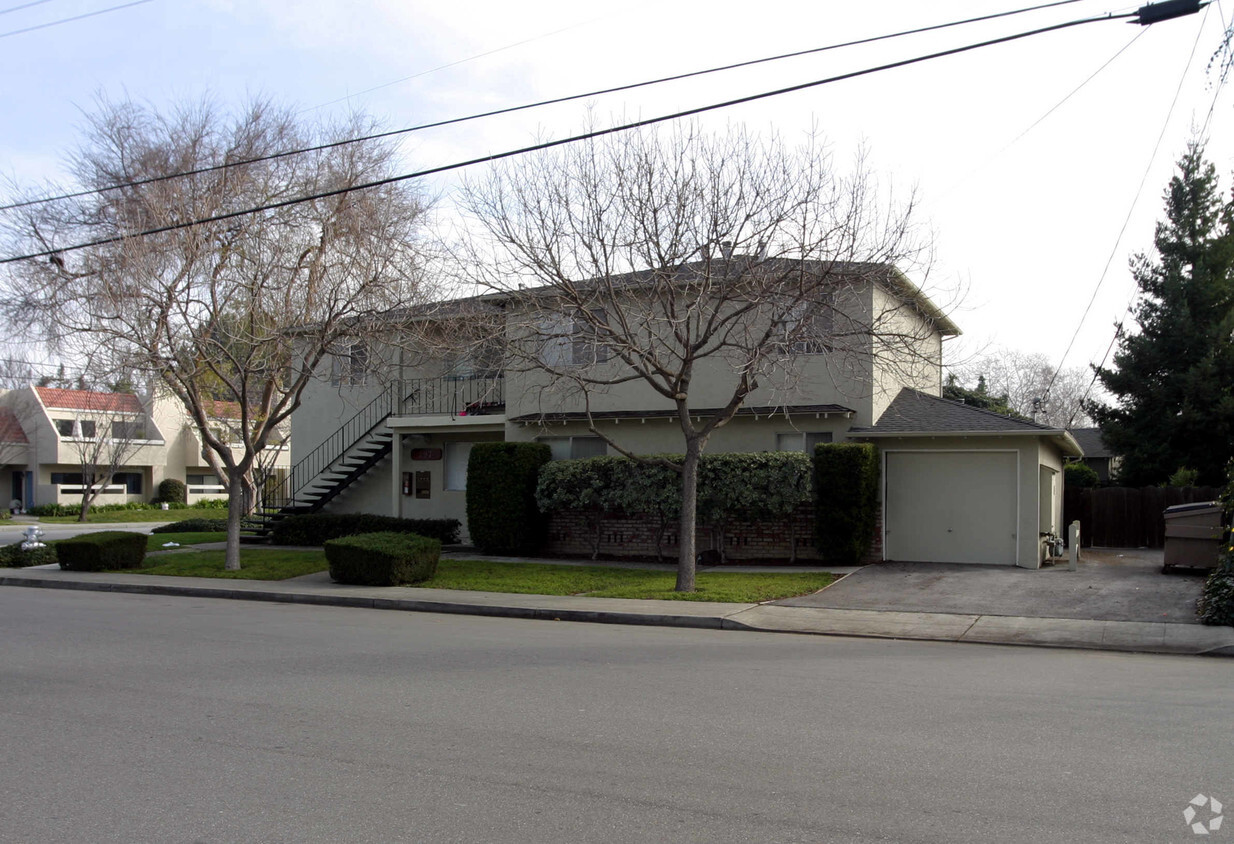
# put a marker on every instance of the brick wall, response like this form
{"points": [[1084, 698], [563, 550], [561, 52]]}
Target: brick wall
{"points": [[634, 537]]}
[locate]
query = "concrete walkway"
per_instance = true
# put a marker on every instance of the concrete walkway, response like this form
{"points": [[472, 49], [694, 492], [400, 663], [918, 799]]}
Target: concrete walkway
{"points": [[1146, 637]]}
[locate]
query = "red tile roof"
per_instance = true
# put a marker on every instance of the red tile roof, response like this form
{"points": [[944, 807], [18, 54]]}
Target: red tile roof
{"points": [[218, 409], [89, 400], [10, 428]]}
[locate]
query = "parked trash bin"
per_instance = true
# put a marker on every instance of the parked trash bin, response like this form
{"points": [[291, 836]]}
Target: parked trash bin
{"points": [[1193, 534]]}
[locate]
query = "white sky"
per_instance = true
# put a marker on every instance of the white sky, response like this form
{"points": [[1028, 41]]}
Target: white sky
{"points": [[1025, 228]]}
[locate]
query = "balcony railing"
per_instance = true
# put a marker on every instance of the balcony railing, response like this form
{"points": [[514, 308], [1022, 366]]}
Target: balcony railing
{"points": [[453, 395]]}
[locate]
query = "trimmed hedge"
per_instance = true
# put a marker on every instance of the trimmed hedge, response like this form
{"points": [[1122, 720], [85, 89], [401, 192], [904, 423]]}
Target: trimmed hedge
{"points": [[102, 551], [75, 509], [382, 559], [192, 526], [502, 516], [319, 528], [13, 557], [173, 491], [846, 500]]}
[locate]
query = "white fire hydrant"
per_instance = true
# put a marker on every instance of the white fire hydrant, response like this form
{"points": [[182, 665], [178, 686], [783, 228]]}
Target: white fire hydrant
{"points": [[33, 533]]}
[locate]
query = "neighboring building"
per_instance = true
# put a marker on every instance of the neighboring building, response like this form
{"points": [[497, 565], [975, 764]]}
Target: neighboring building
{"points": [[1097, 455], [57, 436], [399, 445]]}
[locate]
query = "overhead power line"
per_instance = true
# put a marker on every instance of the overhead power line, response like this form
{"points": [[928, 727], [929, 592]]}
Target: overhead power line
{"points": [[574, 138], [23, 6], [539, 104], [74, 18], [1130, 210]]}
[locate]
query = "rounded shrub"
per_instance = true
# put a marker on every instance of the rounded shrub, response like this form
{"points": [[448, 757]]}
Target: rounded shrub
{"points": [[102, 551], [1080, 476], [382, 559], [173, 491]]}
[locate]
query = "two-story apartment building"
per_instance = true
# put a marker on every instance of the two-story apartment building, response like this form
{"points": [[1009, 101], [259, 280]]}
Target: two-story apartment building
{"points": [[959, 484], [53, 440]]}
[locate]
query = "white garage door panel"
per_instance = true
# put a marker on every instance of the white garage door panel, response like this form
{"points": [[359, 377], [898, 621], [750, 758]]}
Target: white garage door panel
{"points": [[951, 507]]}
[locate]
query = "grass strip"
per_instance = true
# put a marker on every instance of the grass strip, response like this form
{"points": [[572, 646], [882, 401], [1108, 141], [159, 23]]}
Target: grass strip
{"points": [[607, 582], [256, 564], [157, 539]]}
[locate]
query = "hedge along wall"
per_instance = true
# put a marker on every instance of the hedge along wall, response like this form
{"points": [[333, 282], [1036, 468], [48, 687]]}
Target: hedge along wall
{"points": [[751, 507], [502, 516], [846, 501]]}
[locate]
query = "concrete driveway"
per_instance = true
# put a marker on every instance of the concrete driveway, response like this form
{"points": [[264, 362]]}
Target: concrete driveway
{"points": [[1111, 585]]}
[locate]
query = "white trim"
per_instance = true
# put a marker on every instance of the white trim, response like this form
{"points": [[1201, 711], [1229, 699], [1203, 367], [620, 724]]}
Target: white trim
{"points": [[1015, 451]]}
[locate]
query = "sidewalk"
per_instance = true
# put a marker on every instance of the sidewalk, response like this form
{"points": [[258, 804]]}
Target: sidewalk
{"points": [[1142, 637]]}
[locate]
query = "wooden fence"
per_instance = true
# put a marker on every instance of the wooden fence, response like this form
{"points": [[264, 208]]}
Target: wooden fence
{"points": [[1127, 517]]}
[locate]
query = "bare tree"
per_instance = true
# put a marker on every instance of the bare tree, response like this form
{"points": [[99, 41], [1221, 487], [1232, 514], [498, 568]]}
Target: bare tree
{"points": [[1033, 385], [664, 260], [242, 309]]}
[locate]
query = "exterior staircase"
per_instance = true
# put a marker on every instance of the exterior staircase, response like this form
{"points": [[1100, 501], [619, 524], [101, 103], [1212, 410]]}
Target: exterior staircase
{"points": [[364, 441]]}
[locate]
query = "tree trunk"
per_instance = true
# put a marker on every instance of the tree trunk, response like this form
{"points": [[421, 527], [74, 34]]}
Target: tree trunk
{"points": [[235, 511], [689, 513]]}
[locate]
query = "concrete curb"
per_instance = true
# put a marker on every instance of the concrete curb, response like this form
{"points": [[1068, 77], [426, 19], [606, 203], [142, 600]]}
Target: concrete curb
{"points": [[1123, 636], [708, 622]]}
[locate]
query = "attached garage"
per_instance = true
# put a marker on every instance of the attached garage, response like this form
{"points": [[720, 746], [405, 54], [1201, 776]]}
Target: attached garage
{"points": [[951, 506], [964, 485]]}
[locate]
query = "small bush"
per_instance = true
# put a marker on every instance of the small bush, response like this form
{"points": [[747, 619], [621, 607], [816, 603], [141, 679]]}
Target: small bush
{"points": [[5, 515], [1216, 605], [192, 526], [14, 557], [1080, 476], [502, 517], [382, 559], [846, 500], [318, 528], [1184, 476], [208, 504], [172, 491], [102, 551]]}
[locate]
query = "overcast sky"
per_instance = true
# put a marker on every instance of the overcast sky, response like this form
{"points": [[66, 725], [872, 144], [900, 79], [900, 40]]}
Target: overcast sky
{"points": [[1023, 223]]}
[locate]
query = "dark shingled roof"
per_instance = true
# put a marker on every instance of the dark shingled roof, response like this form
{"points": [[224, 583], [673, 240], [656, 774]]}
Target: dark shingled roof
{"points": [[914, 412], [1090, 440], [581, 416]]}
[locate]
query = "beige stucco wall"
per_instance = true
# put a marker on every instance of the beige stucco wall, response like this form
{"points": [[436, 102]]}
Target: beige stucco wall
{"points": [[914, 359]]}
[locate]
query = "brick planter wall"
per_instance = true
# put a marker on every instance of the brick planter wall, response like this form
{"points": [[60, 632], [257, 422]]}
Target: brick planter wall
{"points": [[634, 537]]}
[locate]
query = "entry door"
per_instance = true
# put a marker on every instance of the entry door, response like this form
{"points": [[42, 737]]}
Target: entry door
{"points": [[951, 507]]}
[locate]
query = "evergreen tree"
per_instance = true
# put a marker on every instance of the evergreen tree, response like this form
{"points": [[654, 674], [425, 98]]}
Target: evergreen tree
{"points": [[1173, 379], [979, 397]]}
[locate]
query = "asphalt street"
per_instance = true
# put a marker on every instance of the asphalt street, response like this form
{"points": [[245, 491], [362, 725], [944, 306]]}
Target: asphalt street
{"points": [[133, 718]]}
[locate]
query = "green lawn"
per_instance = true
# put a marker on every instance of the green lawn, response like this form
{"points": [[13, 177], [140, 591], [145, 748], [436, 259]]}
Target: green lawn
{"points": [[114, 516], [484, 576], [257, 564], [604, 582], [157, 539]]}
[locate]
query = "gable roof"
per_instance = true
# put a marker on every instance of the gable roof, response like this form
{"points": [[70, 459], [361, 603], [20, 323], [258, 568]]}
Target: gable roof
{"points": [[89, 400], [1090, 440], [914, 413], [10, 428]]}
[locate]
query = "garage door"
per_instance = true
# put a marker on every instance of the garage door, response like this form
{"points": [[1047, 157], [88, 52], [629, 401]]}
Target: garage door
{"points": [[951, 507]]}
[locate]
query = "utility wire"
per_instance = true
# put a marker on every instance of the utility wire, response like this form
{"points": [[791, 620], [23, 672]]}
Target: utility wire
{"points": [[1127, 220], [575, 138], [74, 18], [23, 6], [526, 106]]}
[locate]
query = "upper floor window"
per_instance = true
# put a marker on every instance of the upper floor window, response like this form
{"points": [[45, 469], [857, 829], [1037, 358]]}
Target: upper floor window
{"points": [[351, 367], [807, 327], [801, 441], [574, 341], [128, 429]]}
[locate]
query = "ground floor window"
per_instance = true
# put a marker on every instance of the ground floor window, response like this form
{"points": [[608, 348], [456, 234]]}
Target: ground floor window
{"points": [[801, 441], [575, 448], [131, 481]]}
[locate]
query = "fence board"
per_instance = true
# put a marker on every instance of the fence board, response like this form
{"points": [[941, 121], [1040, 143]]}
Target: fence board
{"points": [[1127, 517]]}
